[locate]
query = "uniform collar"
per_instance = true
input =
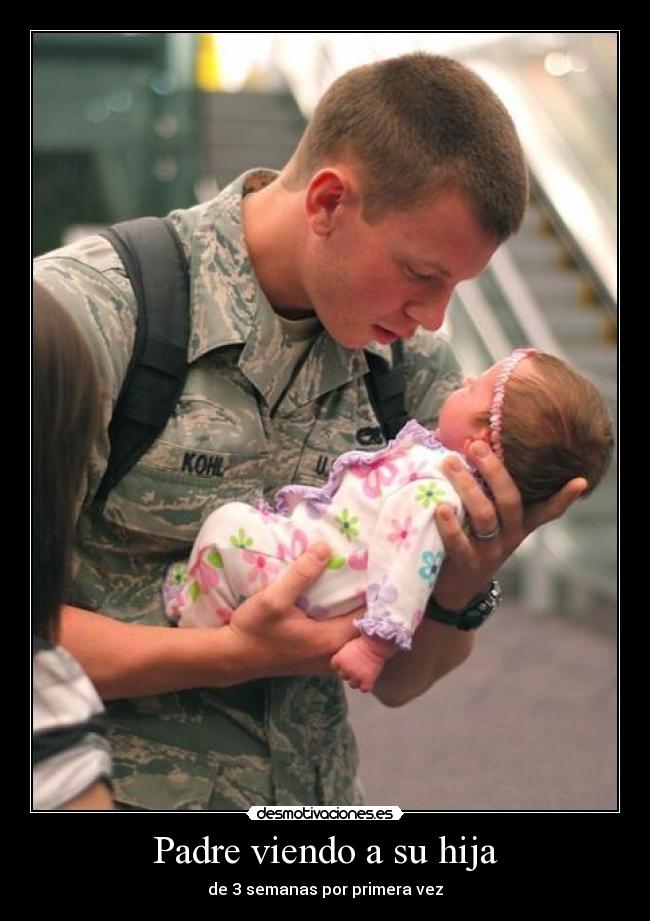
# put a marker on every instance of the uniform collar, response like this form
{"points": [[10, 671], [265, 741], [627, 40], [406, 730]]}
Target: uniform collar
{"points": [[225, 295]]}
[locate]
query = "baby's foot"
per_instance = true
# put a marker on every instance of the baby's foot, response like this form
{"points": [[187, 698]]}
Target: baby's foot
{"points": [[361, 660]]}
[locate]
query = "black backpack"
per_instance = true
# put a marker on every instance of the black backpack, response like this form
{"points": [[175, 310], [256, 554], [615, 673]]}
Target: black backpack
{"points": [[155, 262]]}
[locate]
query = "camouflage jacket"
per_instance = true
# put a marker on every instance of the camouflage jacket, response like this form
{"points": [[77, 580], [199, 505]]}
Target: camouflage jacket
{"points": [[247, 423]]}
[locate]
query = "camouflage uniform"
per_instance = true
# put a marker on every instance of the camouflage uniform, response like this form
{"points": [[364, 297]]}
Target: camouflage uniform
{"points": [[247, 423]]}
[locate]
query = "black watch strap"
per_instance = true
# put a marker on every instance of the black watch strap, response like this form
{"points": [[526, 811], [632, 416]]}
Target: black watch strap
{"points": [[472, 616]]}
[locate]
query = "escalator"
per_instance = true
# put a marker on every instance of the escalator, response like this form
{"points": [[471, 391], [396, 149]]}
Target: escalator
{"points": [[581, 547], [554, 285], [243, 130]]}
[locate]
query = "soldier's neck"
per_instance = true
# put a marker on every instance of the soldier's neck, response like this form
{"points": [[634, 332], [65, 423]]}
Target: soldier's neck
{"points": [[273, 221]]}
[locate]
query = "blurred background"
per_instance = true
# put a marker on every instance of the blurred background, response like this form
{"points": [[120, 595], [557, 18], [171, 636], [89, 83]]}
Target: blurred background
{"points": [[133, 123]]}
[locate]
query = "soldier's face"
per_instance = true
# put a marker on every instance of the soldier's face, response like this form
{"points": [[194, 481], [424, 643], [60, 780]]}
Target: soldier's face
{"points": [[382, 281]]}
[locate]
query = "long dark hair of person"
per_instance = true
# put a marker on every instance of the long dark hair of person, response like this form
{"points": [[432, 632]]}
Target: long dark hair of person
{"points": [[65, 421]]}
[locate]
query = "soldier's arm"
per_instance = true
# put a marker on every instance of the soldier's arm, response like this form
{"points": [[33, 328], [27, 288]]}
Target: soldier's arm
{"points": [[432, 372], [268, 636], [470, 564], [467, 570]]}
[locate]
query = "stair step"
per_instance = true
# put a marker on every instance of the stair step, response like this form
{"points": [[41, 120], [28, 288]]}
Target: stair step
{"points": [[531, 253], [250, 107], [556, 288], [533, 222], [581, 326], [596, 360], [226, 163], [240, 131]]}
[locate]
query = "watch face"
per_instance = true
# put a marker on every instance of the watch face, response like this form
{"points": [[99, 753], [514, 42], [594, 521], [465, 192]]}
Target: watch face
{"points": [[475, 615], [495, 592]]}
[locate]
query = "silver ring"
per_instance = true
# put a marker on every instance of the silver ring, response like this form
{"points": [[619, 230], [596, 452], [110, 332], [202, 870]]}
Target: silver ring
{"points": [[489, 535]]}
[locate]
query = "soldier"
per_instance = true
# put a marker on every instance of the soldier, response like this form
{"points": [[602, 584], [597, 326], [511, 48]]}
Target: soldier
{"points": [[407, 179]]}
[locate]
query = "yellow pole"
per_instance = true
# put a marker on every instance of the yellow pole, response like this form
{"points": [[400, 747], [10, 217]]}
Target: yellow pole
{"points": [[208, 70]]}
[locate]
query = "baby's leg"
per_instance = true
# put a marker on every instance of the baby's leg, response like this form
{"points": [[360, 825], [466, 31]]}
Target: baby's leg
{"points": [[361, 660], [199, 593], [234, 556]]}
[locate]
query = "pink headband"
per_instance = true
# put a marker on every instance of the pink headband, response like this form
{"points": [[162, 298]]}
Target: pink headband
{"points": [[499, 395]]}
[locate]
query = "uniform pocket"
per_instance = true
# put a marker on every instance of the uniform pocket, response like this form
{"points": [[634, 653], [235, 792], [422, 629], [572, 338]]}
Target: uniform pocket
{"points": [[314, 467], [170, 506], [154, 776]]}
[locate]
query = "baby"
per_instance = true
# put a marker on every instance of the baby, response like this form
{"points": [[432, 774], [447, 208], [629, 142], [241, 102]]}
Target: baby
{"points": [[543, 419]]}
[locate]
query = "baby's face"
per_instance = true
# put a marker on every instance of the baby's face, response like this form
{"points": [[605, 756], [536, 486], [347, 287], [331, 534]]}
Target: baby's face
{"points": [[465, 414]]}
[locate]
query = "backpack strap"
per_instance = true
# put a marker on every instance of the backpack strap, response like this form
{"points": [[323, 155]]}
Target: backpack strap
{"points": [[386, 390], [156, 265]]}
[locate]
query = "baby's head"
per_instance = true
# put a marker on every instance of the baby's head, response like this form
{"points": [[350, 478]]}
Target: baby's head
{"points": [[546, 422]]}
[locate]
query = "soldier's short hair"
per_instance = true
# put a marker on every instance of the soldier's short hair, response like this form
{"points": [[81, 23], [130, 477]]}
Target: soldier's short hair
{"points": [[419, 124]]}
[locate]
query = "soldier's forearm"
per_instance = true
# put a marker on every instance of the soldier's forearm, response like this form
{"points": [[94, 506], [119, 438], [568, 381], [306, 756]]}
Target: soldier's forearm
{"points": [[436, 650], [132, 660]]}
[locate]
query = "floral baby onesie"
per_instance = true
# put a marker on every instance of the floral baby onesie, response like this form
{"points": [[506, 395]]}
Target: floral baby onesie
{"points": [[376, 514]]}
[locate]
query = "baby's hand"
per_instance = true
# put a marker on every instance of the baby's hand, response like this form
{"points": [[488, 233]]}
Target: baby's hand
{"points": [[361, 660]]}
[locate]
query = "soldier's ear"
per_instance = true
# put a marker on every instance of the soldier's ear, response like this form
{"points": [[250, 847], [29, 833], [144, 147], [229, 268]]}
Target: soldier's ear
{"points": [[329, 192]]}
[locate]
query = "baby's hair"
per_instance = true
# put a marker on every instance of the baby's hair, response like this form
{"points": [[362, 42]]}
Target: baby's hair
{"points": [[555, 426]]}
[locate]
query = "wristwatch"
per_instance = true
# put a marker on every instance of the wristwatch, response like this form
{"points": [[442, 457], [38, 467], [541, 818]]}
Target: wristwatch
{"points": [[471, 617]]}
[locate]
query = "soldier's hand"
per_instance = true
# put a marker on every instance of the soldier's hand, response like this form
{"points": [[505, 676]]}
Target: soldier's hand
{"points": [[471, 563], [277, 638]]}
